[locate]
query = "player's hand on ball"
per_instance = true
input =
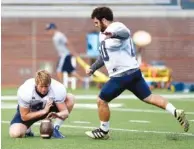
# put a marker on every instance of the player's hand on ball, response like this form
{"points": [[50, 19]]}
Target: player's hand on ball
{"points": [[49, 104], [53, 115], [89, 72]]}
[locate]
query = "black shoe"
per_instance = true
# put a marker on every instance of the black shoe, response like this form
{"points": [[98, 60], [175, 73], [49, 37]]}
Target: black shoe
{"points": [[180, 116]]}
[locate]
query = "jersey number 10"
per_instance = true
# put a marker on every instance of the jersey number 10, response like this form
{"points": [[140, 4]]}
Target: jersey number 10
{"points": [[103, 51], [132, 47]]}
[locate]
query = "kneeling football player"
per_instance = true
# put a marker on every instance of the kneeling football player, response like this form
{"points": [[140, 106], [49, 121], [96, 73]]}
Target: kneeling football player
{"points": [[37, 97]]}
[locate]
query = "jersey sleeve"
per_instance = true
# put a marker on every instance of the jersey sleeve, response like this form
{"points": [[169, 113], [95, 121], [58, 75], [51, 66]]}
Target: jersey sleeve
{"points": [[59, 91], [120, 31], [97, 64], [22, 98], [61, 97]]}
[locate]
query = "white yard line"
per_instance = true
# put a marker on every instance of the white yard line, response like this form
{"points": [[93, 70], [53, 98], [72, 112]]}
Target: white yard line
{"points": [[139, 121], [91, 97], [94, 105], [144, 110], [114, 107], [81, 122], [8, 105], [120, 129]]}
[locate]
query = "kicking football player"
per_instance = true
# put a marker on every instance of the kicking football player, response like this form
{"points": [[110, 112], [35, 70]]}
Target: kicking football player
{"points": [[118, 56], [37, 98]]}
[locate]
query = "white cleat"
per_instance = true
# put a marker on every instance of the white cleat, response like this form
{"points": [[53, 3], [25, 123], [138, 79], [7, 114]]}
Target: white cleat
{"points": [[180, 116], [97, 134]]}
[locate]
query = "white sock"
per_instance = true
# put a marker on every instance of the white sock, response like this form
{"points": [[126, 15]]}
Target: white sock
{"points": [[170, 108], [28, 130], [58, 123], [104, 125]]}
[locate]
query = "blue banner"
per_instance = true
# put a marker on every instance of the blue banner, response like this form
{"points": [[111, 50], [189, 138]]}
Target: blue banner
{"points": [[187, 4], [92, 40]]}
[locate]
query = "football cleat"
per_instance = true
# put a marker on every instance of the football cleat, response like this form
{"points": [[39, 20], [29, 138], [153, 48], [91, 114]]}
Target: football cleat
{"points": [[97, 134], [57, 134], [180, 116], [29, 134]]}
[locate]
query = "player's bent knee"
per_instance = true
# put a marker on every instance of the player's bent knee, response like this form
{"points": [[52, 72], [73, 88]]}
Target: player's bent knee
{"points": [[101, 101], [71, 98], [148, 99], [17, 130], [16, 134], [65, 115], [105, 96]]}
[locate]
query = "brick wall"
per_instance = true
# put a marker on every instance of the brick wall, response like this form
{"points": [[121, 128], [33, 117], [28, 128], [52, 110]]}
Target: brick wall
{"points": [[172, 43]]}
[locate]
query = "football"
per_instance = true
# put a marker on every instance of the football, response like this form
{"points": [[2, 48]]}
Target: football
{"points": [[46, 128]]}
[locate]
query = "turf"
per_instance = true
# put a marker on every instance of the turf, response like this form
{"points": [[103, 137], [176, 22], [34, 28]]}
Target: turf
{"points": [[162, 131]]}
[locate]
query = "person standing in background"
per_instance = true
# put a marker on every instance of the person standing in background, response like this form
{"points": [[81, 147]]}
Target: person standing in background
{"points": [[65, 53]]}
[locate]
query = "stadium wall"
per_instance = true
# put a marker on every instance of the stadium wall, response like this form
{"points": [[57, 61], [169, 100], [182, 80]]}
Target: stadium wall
{"points": [[26, 47]]}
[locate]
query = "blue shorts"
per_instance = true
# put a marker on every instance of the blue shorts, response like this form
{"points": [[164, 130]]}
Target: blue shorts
{"points": [[17, 117], [65, 64], [133, 82]]}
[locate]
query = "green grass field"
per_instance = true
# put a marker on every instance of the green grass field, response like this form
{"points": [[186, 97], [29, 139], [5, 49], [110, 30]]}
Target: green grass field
{"points": [[158, 130]]}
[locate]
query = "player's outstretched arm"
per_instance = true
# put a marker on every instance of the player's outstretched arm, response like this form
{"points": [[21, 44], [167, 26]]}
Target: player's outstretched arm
{"points": [[97, 64], [119, 33], [63, 111]]}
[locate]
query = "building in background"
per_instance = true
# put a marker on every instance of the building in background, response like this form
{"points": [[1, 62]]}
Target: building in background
{"points": [[24, 43]]}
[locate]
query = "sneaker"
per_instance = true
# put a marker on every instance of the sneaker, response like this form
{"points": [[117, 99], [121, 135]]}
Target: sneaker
{"points": [[57, 134], [29, 134], [97, 134], [180, 116]]}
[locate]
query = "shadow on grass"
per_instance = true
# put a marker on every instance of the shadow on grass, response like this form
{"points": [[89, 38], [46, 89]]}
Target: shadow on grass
{"points": [[178, 137]]}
